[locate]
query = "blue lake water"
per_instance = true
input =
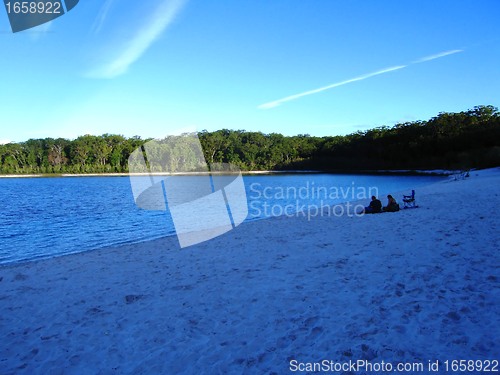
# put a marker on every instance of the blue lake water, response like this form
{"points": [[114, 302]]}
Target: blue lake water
{"points": [[44, 217]]}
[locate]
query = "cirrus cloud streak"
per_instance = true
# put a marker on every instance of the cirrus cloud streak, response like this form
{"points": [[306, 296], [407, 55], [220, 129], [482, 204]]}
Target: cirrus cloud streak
{"points": [[278, 102], [161, 18]]}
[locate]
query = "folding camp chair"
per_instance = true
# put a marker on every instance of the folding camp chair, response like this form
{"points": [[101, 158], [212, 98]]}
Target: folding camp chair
{"points": [[409, 200], [462, 175]]}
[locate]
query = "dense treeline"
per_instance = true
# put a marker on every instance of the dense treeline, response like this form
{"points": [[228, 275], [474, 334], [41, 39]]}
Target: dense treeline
{"points": [[462, 140], [449, 140], [86, 154]]}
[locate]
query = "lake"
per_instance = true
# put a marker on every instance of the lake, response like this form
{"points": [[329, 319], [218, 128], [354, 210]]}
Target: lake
{"points": [[45, 217]]}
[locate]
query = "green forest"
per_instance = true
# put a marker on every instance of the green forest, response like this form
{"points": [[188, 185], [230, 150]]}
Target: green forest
{"points": [[469, 139]]}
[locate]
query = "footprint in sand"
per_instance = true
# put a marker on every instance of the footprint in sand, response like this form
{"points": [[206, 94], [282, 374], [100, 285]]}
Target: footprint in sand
{"points": [[131, 298], [20, 277]]}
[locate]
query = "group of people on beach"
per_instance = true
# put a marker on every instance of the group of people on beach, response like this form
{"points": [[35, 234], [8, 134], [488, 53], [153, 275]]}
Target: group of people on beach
{"points": [[375, 206]]}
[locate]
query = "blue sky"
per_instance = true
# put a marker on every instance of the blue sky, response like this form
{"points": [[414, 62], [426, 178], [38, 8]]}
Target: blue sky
{"points": [[322, 67]]}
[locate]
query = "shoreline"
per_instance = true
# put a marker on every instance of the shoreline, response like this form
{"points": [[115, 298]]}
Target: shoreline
{"points": [[49, 257], [395, 172]]}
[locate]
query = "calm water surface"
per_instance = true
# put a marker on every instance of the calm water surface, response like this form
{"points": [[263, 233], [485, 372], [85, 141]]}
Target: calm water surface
{"points": [[44, 217]]}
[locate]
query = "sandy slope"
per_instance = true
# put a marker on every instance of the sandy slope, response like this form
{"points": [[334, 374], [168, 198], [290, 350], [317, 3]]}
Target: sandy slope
{"points": [[414, 286]]}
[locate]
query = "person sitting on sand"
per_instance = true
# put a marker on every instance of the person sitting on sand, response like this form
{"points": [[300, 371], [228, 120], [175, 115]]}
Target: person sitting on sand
{"points": [[375, 206], [392, 205]]}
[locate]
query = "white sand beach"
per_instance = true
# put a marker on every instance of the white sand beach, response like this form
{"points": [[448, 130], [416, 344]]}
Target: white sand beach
{"points": [[414, 286]]}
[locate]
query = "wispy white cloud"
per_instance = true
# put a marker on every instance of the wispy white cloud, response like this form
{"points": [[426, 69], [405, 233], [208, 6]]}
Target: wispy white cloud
{"points": [[437, 56], [278, 102], [5, 141], [315, 91], [101, 17], [161, 18]]}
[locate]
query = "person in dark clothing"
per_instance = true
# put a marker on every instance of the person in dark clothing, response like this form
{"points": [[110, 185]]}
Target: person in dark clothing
{"points": [[392, 205], [375, 206]]}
